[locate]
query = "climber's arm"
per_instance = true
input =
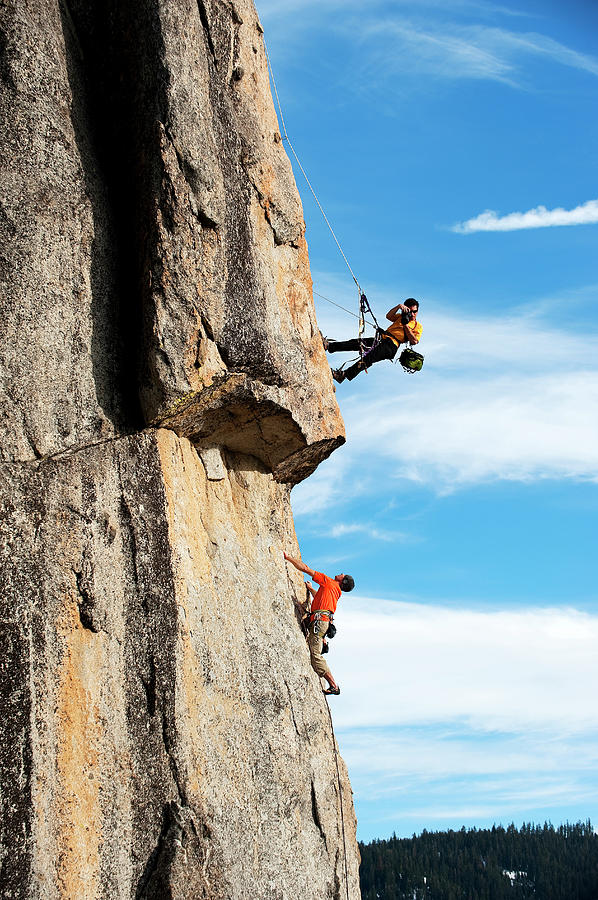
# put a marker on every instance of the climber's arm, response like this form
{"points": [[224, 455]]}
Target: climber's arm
{"points": [[410, 335], [300, 566], [395, 313]]}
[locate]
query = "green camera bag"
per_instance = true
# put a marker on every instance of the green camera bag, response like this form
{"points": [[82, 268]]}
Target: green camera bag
{"points": [[411, 360]]}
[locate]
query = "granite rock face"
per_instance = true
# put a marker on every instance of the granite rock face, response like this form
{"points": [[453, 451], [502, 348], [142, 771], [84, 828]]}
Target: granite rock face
{"points": [[166, 735], [163, 386], [152, 240]]}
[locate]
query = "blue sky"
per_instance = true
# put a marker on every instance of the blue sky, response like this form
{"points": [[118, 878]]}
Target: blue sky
{"points": [[453, 146]]}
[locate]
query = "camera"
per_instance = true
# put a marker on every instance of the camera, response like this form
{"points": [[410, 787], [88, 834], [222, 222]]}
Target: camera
{"points": [[406, 316]]}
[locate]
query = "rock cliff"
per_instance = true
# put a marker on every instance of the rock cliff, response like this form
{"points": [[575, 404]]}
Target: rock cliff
{"points": [[163, 386]]}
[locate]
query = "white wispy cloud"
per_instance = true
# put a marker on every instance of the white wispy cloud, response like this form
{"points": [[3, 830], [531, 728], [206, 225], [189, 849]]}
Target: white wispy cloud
{"points": [[542, 45], [539, 217], [452, 51], [320, 492], [376, 534], [512, 396], [447, 52], [459, 714], [506, 670], [440, 751], [416, 39], [275, 9], [508, 427]]}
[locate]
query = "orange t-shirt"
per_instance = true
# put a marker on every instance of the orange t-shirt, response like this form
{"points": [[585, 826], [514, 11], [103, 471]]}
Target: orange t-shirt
{"points": [[397, 333], [327, 594]]}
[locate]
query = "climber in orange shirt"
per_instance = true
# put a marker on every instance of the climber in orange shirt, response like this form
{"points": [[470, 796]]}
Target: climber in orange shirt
{"points": [[404, 329], [323, 607]]}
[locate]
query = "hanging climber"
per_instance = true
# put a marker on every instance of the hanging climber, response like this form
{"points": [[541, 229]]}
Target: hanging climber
{"points": [[384, 345], [323, 607]]}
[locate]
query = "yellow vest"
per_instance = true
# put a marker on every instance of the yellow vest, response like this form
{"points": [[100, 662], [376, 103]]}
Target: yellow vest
{"points": [[396, 332]]}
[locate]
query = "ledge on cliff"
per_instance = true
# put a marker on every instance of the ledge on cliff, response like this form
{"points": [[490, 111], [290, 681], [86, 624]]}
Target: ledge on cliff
{"points": [[247, 416]]}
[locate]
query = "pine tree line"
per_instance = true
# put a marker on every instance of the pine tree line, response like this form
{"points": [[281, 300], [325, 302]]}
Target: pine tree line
{"points": [[536, 861]]}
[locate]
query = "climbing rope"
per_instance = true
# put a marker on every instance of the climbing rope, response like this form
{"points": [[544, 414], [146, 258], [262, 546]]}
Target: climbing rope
{"points": [[364, 306], [309, 184], [344, 308], [340, 794]]}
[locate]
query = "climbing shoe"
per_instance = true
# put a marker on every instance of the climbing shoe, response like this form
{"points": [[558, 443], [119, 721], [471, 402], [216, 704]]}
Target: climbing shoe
{"points": [[338, 375], [336, 691]]}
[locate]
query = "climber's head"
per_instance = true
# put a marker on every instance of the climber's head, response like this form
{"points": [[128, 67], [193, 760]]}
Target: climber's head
{"points": [[346, 582]]}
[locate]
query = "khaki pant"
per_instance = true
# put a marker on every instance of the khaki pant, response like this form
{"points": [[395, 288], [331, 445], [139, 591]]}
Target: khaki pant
{"points": [[315, 636]]}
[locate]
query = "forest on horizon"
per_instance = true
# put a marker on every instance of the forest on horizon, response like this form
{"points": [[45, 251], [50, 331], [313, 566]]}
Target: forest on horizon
{"points": [[535, 861]]}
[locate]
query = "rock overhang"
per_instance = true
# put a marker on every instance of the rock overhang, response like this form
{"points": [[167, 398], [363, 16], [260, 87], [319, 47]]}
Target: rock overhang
{"points": [[246, 416]]}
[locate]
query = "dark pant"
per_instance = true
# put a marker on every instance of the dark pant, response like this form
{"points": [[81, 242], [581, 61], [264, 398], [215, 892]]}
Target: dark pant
{"points": [[386, 349]]}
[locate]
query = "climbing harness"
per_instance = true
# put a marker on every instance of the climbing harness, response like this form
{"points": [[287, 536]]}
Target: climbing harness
{"points": [[323, 615], [340, 796], [364, 308], [364, 350]]}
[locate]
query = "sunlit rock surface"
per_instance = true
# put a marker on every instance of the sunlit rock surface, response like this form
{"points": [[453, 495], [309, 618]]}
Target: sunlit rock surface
{"points": [[163, 385]]}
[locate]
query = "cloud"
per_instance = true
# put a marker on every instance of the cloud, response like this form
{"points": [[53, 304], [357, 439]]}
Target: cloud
{"points": [[446, 52], [454, 51], [317, 493], [540, 217], [542, 45], [371, 531], [507, 671], [453, 715], [503, 428], [514, 398], [418, 40], [521, 338], [440, 752]]}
